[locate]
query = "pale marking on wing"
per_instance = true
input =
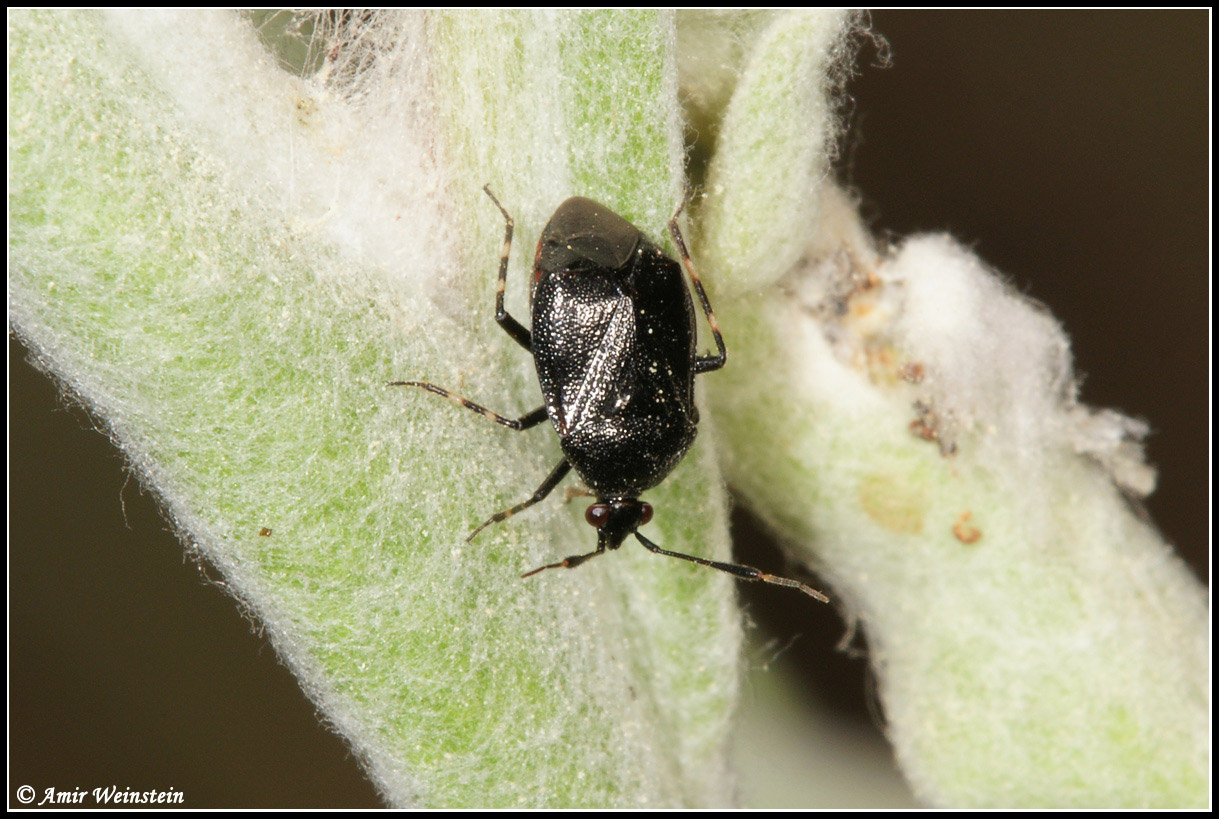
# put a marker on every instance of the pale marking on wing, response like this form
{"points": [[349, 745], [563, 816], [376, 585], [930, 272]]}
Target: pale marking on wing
{"points": [[606, 362]]}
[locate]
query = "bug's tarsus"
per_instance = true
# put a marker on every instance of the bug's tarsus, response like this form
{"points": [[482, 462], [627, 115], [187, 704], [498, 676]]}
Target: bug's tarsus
{"points": [[743, 572], [552, 480], [511, 326], [567, 562], [526, 421], [702, 363]]}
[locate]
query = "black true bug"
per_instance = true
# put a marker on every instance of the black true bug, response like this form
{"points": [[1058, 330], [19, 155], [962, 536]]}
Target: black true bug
{"points": [[613, 341]]}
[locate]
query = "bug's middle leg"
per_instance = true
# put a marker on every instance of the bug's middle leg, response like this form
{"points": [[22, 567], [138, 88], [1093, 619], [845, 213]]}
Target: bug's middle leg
{"points": [[552, 480], [527, 421], [511, 326]]}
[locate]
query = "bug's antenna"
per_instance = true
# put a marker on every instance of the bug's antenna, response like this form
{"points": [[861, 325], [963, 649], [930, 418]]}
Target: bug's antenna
{"points": [[743, 572], [567, 562]]}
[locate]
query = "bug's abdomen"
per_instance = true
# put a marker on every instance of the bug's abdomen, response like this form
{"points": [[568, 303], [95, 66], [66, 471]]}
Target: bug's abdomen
{"points": [[613, 351]]}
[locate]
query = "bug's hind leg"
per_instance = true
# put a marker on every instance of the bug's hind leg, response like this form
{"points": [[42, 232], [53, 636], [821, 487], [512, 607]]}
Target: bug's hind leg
{"points": [[511, 326], [703, 363], [744, 572], [552, 480], [527, 421]]}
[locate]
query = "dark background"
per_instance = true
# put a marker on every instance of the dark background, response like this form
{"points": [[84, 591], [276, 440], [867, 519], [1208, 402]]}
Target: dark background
{"points": [[1070, 149]]}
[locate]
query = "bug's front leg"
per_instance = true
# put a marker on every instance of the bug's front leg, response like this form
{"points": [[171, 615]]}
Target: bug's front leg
{"points": [[552, 480]]}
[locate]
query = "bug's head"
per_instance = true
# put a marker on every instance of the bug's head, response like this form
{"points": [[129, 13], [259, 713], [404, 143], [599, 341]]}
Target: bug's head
{"points": [[616, 519]]}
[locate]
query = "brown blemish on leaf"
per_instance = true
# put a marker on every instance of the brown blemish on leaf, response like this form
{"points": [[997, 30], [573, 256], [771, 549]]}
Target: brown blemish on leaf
{"points": [[913, 372], [965, 531], [927, 426]]}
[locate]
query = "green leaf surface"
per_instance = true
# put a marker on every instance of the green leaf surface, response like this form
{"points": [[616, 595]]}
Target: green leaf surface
{"points": [[228, 263]]}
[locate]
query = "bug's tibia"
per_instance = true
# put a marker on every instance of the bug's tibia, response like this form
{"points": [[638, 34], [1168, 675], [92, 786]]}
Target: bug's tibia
{"points": [[510, 325], [705, 363], [552, 480], [526, 421]]}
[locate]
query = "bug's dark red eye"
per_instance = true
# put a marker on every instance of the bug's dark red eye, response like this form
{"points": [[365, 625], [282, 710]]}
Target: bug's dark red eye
{"points": [[597, 514], [647, 514]]}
